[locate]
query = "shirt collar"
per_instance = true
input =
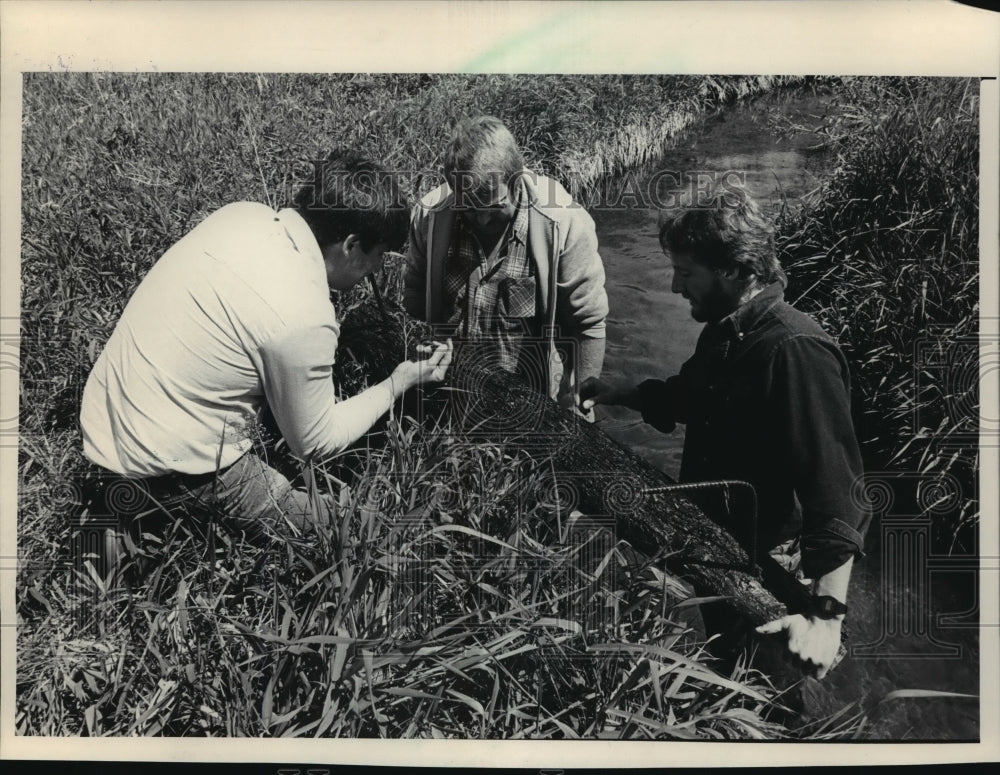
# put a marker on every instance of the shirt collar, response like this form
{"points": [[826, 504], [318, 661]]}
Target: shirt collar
{"points": [[746, 317]]}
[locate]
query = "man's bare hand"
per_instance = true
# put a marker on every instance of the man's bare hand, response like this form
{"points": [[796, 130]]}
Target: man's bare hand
{"points": [[811, 640], [595, 391], [433, 368]]}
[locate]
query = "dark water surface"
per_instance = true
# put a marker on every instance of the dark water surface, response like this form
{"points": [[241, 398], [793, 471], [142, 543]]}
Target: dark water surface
{"points": [[650, 330], [651, 333]]}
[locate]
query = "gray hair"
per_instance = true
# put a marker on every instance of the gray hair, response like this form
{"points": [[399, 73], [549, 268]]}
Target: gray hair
{"points": [[482, 156]]}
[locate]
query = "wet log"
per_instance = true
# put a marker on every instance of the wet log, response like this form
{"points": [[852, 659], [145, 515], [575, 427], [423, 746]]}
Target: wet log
{"points": [[593, 471]]}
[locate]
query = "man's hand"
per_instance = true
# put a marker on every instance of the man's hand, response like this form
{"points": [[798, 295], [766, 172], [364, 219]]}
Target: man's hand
{"points": [[430, 369], [812, 640], [434, 367], [594, 391], [569, 401]]}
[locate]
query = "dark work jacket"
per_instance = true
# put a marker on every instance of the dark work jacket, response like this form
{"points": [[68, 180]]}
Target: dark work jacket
{"points": [[766, 399]]}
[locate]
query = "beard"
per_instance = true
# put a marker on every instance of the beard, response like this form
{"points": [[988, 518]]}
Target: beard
{"points": [[713, 306]]}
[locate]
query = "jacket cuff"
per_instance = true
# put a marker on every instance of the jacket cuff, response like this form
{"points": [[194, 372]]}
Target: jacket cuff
{"points": [[829, 548], [844, 531]]}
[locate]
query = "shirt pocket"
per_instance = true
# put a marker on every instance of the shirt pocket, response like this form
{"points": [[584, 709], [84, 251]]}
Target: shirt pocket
{"points": [[517, 298]]}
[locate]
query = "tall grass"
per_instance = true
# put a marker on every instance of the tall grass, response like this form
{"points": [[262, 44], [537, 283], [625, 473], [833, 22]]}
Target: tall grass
{"points": [[886, 256], [424, 607]]}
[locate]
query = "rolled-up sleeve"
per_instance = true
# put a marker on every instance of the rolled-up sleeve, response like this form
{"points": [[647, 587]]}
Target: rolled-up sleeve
{"points": [[581, 300], [811, 404]]}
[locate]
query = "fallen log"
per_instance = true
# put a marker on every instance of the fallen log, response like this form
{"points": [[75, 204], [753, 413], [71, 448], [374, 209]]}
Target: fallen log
{"points": [[602, 477]]}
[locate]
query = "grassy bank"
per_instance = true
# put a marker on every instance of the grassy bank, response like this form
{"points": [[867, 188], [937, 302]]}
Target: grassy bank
{"points": [[423, 609], [332, 638], [886, 257]]}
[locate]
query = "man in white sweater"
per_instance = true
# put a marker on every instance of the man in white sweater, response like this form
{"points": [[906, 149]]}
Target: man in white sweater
{"points": [[236, 314]]}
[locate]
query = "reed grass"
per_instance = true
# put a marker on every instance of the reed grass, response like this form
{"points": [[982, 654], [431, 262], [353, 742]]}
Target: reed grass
{"points": [[423, 609], [886, 257], [417, 612]]}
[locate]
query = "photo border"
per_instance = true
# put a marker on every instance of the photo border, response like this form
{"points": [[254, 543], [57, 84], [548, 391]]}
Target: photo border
{"points": [[838, 38]]}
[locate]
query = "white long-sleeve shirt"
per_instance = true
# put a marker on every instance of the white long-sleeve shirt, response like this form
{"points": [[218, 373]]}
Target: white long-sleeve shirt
{"points": [[237, 311]]}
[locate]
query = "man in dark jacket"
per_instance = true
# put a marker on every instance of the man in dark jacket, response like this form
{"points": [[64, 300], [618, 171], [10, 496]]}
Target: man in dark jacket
{"points": [[765, 399]]}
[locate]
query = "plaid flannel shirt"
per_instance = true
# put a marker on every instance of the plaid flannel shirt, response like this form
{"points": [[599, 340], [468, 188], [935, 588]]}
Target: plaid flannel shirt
{"points": [[493, 296]]}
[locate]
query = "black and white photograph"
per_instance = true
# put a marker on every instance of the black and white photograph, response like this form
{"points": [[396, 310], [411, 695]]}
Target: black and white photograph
{"points": [[506, 399]]}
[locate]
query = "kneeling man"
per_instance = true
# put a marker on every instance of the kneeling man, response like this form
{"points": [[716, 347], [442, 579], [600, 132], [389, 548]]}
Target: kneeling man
{"points": [[236, 314]]}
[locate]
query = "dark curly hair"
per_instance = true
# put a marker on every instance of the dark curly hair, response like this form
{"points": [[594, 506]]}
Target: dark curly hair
{"points": [[730, 232], [351, 194]]}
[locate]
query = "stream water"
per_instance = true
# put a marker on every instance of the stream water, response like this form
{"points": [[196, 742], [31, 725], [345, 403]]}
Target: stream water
{"points": [[651, 333]]}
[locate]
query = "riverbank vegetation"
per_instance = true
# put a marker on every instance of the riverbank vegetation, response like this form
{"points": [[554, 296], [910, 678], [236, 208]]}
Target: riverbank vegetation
{"points": [[414, 615], [422, 608], [886, 257], [222, 639], [885, 254]]}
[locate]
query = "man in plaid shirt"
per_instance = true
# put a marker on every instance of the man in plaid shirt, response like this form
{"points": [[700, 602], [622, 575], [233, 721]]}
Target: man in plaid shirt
{"points": [[505, 255]]}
